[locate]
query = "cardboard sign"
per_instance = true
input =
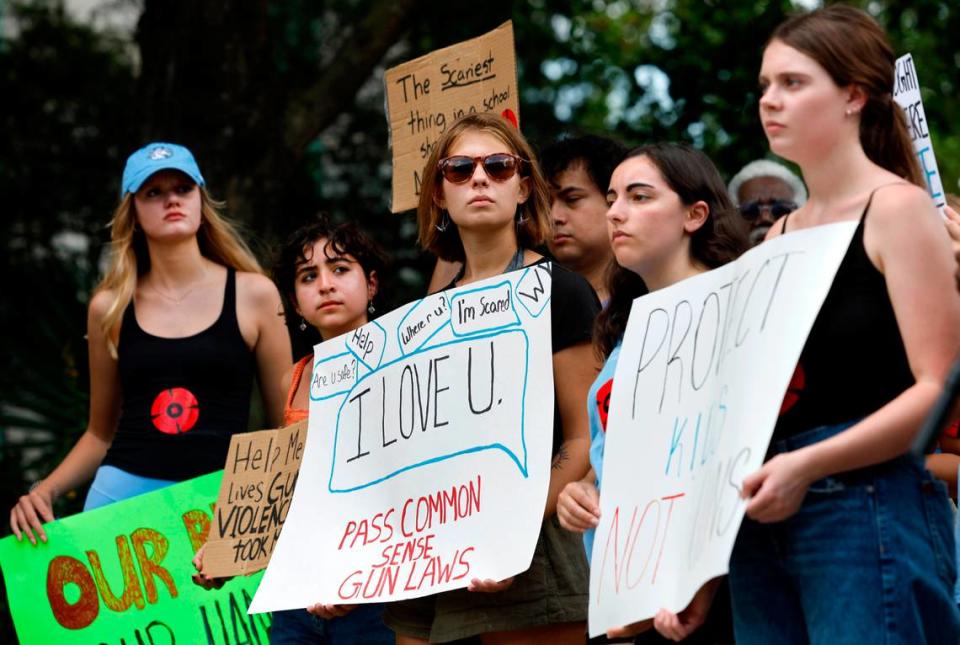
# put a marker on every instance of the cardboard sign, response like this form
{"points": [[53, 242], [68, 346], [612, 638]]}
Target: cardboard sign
{"points": [[122, 574], [426, 95], [428, 458], [702, 373], [258, 482], [906, 92]]}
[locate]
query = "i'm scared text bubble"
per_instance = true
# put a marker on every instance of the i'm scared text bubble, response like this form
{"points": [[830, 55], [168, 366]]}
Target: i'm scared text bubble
{"points": [[453, 399], [484, 309], [335, 375]]}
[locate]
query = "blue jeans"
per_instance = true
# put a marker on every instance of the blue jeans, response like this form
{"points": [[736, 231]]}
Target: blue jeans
{"points": [[956, 536], [868, 558], [362, 625]]}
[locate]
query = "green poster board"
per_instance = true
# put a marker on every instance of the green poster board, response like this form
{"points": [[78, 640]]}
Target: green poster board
{"points": [[122, 574]]}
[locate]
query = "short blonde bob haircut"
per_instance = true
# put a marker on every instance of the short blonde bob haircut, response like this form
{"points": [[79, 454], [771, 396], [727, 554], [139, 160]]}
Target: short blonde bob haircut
{"points": [[533, 225]]}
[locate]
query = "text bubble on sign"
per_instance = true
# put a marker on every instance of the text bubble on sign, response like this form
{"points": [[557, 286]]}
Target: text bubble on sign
{"points": [[484, 309], [906, 92], [368, 343], [398, 417], [422, 322], [426, 95], [531, 290], [335, 375]]}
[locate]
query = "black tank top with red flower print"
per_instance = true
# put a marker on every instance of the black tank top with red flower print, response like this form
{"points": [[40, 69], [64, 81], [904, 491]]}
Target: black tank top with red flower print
{"points": [[854, 361], [182, 397]]}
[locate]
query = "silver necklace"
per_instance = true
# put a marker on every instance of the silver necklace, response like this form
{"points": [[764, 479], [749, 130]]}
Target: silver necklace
{"points": [[186, 293]]}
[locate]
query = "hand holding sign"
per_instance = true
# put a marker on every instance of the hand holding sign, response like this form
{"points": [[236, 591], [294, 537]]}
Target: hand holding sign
{"points": [[691, 415], [258, 483], [121, 573], [31, 511], [408, 462], [776, 491]]}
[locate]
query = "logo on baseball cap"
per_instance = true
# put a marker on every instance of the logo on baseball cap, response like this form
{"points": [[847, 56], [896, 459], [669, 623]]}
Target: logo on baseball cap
{"points": [[155, 157]]}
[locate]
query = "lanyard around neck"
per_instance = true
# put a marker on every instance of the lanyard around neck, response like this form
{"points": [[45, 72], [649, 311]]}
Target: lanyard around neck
{"points": [[516, 262]]}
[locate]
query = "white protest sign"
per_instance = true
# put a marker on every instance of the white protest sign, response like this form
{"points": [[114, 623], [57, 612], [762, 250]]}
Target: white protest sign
{"points": [[906, 92], [428, 453], [697, 390]]}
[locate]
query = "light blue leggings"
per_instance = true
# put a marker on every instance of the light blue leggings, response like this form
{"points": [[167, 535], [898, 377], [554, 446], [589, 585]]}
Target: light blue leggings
{"points": [[112, 485]]}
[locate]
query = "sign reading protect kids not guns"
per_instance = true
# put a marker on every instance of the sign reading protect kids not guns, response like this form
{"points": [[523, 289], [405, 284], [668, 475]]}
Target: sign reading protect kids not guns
{"points": [[428, 454], [426, 95], [698, 387], [906, 92], [122, 574]]}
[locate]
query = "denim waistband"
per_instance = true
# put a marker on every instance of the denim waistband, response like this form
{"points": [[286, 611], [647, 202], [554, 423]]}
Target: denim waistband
{"points": [[814, 435], [807, 437]]}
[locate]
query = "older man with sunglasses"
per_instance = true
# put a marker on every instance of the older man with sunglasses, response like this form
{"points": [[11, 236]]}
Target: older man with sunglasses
{"points": [[765, 191]]}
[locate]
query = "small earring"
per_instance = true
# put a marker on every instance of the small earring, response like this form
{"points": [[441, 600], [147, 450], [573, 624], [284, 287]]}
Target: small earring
{"points": [[303, 325], [520, 217], [370, 308], [445, 219]]}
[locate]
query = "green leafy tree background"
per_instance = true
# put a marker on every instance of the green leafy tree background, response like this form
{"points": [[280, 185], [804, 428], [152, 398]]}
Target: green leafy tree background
{"points": [[282, 102]]}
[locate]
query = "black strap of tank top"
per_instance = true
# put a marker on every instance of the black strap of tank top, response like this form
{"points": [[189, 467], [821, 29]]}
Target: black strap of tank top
{"points": [[872, 193], [783, 229]]}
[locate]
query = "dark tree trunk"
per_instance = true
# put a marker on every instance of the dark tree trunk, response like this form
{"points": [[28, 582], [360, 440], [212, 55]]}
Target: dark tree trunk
{"points": [[214, 78]]}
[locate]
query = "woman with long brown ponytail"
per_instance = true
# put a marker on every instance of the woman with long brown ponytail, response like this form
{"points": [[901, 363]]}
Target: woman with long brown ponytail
{"points": [[847, 538]]}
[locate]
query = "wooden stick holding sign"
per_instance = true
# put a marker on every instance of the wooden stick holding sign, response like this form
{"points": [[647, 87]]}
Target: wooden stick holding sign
{"points": [[906, 92], [258, 481], [426, 95]]}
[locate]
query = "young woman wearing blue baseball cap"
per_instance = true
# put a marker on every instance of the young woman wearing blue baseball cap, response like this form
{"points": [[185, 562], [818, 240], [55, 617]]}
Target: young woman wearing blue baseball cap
{"points": [[176, 329]]}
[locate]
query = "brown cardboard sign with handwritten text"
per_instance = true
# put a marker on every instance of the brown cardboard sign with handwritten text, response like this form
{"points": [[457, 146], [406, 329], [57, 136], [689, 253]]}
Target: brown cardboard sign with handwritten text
{"points": [[258, 482], [426, 95]]}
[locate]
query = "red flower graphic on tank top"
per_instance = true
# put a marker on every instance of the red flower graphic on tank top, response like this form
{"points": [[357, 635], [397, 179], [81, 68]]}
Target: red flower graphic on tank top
{"points": [[175, 411], [953, 430], [603, 402], [794, 390]]}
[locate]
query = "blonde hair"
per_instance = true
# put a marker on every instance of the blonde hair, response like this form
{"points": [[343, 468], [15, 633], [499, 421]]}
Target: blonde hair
{"points": [[535, 212], [130, 258]]}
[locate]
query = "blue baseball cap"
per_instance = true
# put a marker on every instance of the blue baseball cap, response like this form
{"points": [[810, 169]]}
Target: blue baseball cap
{"points": [[155, 157]]}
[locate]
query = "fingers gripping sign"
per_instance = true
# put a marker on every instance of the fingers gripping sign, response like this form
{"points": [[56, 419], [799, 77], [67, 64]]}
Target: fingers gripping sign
{"points": [[578, 507], [776, 491], [31, 511]]}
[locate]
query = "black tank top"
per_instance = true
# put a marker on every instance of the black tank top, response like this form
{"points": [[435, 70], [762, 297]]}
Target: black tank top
{"points": [[182, 397], [854, 361]]}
